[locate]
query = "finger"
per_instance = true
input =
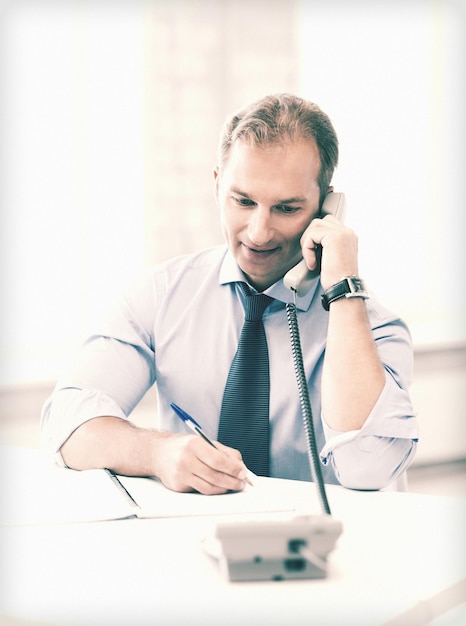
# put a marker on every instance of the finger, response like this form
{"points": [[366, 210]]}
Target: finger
{"points": [[211, 482], [197, 465], [202, 477], [215, 468], [312, 255], [225, 460], [194, 475], [313, 234], [230, 452]]}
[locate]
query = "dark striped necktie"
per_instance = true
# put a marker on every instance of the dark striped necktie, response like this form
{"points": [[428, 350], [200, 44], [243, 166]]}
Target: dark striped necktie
{"points": [[244, 416]]}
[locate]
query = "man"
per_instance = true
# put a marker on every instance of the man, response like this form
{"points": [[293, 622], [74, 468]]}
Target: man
{"points": [[180, 326]]}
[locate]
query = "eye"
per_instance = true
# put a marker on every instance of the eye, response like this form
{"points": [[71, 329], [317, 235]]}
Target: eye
{"points": [[287, 209], [245, 202]]}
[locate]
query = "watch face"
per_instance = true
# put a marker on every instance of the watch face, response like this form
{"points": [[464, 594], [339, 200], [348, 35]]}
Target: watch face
{"points": [[355, 284], [356, 287]]}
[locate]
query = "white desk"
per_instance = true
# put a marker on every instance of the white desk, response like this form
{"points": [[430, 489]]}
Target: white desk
{"points": [[399, 562]]}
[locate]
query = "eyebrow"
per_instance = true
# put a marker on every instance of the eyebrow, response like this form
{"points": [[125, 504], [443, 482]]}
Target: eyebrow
{"points": [[286, 201], [291, 201]]}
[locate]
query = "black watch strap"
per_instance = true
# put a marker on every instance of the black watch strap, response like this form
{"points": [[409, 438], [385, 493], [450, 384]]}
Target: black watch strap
{"points": [[348, 287]]}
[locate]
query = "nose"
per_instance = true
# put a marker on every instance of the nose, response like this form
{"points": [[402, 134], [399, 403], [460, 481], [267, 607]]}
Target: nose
{"points": [[260, 230]]}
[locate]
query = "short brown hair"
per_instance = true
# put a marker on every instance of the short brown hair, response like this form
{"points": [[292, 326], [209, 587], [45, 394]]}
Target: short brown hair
{"points": [[280, 118]]}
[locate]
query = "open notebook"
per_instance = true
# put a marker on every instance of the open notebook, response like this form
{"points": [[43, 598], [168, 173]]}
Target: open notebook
{"points": [[35, 491]]}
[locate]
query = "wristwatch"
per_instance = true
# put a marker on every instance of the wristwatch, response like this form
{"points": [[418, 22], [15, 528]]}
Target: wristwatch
{"points": [[348, 287]]}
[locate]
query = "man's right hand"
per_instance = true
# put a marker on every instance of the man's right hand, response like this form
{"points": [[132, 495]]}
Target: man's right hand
{"points": [[188, 463], [182, 462]]}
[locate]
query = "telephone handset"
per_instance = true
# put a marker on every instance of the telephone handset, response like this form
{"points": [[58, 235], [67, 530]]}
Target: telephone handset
{"points": [[299, 278]]}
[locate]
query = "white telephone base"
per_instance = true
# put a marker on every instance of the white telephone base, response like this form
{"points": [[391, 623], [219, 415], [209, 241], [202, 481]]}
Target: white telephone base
{"points": [[275, 549]]}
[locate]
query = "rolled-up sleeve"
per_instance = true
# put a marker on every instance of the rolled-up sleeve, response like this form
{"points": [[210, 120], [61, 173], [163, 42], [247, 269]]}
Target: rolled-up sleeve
{"points": [[375, 455], [389, 435], [111, 373], [66, 410]]}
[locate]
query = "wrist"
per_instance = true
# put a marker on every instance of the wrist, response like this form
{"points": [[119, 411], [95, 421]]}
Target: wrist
{"points": [[159, 447], [347, 287]]}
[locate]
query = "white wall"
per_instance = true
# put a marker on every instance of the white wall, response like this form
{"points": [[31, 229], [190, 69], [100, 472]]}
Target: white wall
{"points": [[72, 165], [109, 123], [391, 76], [439, 397], [109, 119]]}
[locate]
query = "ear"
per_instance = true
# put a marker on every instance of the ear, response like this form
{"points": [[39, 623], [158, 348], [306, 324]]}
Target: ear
{"points": [[216, 182], [322, 200]]}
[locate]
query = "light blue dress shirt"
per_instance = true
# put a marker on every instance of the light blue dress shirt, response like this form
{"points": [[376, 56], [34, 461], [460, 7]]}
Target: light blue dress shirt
{"points": [[179, 328]]}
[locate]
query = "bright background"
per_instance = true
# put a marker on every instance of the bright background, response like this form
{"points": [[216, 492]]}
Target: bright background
{"points": [[110, 113]]}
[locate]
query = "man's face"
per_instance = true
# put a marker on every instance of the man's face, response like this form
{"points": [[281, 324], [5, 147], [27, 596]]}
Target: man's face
{"points": [[267, 197]]}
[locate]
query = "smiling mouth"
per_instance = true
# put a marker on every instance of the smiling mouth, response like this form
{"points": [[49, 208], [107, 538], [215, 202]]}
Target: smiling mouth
{"points": [[259, 252]]}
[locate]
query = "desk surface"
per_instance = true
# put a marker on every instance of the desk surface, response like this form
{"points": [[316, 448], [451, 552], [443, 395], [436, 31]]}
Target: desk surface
{"points": [[399, 561]]}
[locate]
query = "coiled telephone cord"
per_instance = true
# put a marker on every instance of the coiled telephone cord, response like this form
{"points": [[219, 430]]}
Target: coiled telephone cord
{"points": [[306, 405]]}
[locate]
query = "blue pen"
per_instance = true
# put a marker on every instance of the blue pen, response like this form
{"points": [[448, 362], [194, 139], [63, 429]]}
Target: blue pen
{"points": [[193, 425]]}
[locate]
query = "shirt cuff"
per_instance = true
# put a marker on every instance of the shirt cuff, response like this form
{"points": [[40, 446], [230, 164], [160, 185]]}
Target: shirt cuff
{"points": [[392, 417], [335, 439], [372, 456]]}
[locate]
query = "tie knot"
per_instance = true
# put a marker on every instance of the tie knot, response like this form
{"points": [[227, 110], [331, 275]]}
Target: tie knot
{"points": [[256, 305]]}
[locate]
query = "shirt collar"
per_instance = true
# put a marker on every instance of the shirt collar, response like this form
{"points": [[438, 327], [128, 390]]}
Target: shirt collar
{"points": [[230, 272]]}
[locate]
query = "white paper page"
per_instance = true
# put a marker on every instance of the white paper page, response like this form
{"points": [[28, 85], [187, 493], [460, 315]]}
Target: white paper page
{"points": [[33, 490], [266, 496]]}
